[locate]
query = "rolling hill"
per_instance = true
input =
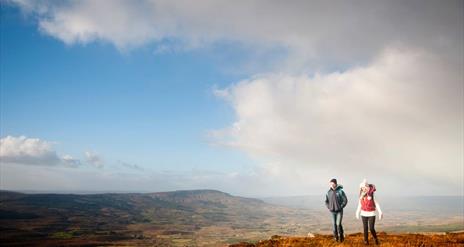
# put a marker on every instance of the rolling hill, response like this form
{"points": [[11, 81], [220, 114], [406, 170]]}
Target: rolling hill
{"points": [[198, 217], [178, 218]]}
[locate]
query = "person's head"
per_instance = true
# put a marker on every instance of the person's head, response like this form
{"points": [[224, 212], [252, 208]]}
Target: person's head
{"points": [[333, 183], [365, 188]]}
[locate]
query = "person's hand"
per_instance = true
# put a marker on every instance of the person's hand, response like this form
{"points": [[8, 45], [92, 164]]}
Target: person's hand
{"points": [[357, 216], [380, 216]]}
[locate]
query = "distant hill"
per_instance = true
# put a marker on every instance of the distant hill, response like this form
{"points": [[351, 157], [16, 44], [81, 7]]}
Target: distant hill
{"points": [[184, 216], [177, 218]]}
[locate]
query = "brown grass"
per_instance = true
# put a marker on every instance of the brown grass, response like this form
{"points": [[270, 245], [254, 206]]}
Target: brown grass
{"points": [[450, 239]]}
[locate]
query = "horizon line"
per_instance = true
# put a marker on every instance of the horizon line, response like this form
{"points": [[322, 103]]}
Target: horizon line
{"points": [[89, 192]]}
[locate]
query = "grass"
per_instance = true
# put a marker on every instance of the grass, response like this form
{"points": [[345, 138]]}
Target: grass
{"points": [[63, 235], [453, 239], [426, 228]]}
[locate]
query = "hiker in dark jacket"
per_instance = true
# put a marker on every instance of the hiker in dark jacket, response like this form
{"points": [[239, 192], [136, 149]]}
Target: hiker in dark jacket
{"points": [[336, 200]]}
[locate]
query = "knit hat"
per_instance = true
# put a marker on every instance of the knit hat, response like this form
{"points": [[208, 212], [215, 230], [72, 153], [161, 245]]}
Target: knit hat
{"points": [[333, 180], [363, 183], [371, 187]]}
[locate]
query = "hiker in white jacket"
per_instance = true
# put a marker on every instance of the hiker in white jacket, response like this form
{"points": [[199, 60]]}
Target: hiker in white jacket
{"points": [[367, 207]]}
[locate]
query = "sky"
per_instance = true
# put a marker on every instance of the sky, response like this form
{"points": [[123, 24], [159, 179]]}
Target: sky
{"points": [[253, 98]]}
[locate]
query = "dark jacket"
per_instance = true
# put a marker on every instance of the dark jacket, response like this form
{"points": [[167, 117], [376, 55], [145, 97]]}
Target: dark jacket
{"points": [[336, 200]]}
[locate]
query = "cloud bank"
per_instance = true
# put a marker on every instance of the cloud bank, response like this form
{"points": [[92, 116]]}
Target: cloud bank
{"points": [[94, 159], [402, 114], [32, 151], [311, 30]]}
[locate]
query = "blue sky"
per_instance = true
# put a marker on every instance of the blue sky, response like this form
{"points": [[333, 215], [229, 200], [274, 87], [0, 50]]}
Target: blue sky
{"points": [[151, 109], [267, 99]]}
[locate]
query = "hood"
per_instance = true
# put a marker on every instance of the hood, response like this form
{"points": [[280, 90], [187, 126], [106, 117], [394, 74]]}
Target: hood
{"points": [[372, 189], [339, 187]]}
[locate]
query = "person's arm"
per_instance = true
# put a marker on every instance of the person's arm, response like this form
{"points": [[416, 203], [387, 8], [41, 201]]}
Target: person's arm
{"points": [[358, 210], [377, 206], [344, 199], [327, 200]]}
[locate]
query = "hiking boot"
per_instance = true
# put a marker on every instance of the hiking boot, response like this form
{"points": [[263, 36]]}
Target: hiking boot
{"points": [[342, 238], [377, 242], [366, 242]]}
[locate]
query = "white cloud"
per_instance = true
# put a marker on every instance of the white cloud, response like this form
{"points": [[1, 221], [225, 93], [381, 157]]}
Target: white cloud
{"points": [[238, 183], [400, 115], [129, 165], [94, 159], [70, 161], [255, 183], [32, 151], [310, 30]]}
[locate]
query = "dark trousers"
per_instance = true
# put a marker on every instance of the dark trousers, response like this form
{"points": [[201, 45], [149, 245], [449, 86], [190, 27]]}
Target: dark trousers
{"points": [[337, 218], [371, 222]]}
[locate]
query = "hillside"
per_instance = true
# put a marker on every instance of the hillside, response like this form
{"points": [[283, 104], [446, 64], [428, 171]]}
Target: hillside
{"points": [[450, 239], [178, 218], [198, 217]]}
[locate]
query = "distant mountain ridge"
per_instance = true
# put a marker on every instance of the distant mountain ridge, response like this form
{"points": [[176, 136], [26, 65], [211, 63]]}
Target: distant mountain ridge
{"points": [[183, 196], [122, 216]]}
